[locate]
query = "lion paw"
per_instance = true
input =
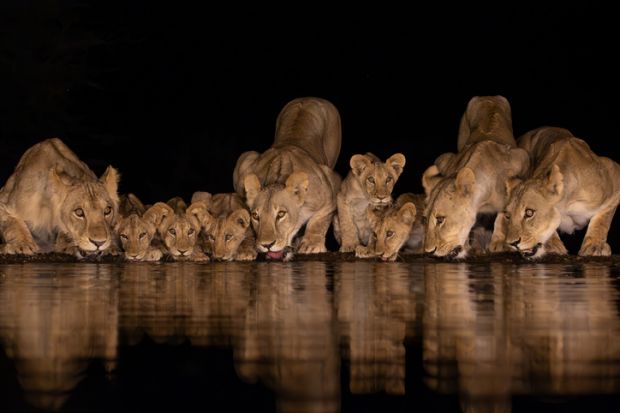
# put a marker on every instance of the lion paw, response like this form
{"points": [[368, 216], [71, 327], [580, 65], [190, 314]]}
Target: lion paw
{"points": [[347, 248], [363, 252], [199, 257], [25, 247], [246, 255], [307, 247], [595, 249], [497, 246], [153, 255]]}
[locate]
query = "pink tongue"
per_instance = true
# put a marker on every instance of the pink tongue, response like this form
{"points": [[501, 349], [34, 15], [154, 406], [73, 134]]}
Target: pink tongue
{"points": [[276, 255]]}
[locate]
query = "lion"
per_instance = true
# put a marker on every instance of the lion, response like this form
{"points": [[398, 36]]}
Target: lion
{"points": [[293, 183], [227, 230], [54, 202], [570, 187], [368, 184], [395, 227], [460, 186], [137, 231]]}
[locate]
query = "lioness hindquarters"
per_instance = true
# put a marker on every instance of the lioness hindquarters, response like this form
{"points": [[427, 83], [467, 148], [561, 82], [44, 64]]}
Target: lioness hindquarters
{"points": [[369, 184]]}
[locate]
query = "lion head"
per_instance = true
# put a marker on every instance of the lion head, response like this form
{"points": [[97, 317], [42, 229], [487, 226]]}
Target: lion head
{"points": [[136, 234], [450, 212], [393, 230], [88, 210], [377, 178], [276, 212], [531, 212], [179, 231], [225, 234]]}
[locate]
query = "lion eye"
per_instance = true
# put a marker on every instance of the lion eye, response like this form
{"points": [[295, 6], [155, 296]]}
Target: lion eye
{"points": [[79, 212], [389, 234], [190, 231], [388, 179], [529, 212], [172, 231], [142, 235], [439, 220], [107, 210], [255, 216], [281, 214], [124, 236], [228, 237], [371, 179]]}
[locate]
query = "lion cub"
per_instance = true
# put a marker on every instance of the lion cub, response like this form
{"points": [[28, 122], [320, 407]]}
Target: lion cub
{"points": [[136, 230], [395, 227], [227, 230], [369, 184]]}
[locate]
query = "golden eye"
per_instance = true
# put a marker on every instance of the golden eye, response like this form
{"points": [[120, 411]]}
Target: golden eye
{"points": [[172, 231], [255, 216], [79, 212], [439, 220], [142, 235], [190, 231], [389, 234], [388, 179], [371, 179], [107, 210], [529, 212], [228, 237], [124, 237], [281, 214]]}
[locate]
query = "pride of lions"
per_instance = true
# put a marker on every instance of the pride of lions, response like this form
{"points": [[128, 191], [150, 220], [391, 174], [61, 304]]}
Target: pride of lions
{"points": [[287, 197]]}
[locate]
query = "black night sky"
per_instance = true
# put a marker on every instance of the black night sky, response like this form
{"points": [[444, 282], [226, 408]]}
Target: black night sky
{"points": [[171, 93]]}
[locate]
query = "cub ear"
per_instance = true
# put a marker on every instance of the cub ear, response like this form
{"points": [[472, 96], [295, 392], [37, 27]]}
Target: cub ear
{"points": [[511, 184], [203, 196], [252, 187], [135, 204], [359, 163], [465, 181], [110, 179], [241, 217], [198, 214], [159, 216], [396, 162], [407, 213], [297, 185], [430, 179], [555, 182]]}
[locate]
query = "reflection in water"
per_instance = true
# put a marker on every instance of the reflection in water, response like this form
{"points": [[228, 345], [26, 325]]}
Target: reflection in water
{"points": [[488, 332]]}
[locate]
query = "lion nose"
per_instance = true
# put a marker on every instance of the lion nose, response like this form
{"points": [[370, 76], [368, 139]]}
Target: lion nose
{"points": [[516, 243], [97, 243], [182, 252], [456, 251], [268, 246]]}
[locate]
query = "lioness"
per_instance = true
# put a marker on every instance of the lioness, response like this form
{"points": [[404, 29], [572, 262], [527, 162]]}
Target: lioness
{"points": [[227, 228], [137, 230], [460, 186], [569, 187], [395, 227], [292, 184], [369, 183], [54, 202]]}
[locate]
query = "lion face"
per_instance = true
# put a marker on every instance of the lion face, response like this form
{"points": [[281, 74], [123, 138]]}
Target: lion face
{"points": [[136, 236], [89, 210], [225, 235], [450, 215], [377, 178], [179, 232], [276, 212], [531, 213], [393, 231]]}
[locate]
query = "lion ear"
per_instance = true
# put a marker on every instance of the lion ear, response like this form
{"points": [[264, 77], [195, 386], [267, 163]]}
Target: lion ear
{"points": [[241, 217], [359, 163], [297, 185], [555, 182], [465, 181], [110, 179], [198, 214], [407, 213], [252, 187], [430, 179], [396, 162], [159, 215]]}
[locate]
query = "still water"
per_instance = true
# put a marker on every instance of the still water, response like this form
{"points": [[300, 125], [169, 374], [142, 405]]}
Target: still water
{"points": [[309, 337]]}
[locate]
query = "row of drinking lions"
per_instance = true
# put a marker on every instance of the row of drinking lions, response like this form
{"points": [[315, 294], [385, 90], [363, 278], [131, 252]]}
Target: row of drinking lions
{"points": [[287, 197]]}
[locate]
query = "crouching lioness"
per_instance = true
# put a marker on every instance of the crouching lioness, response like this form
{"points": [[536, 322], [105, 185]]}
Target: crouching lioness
{"points": [[54, 202], [570, 187], [293, 183]]}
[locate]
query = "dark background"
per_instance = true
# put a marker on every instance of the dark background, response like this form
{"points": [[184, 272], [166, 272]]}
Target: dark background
{"points": [[171, 93]]}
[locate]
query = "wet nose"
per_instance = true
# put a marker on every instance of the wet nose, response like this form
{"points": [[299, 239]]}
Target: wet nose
{"points": [[182, 252], [96, 242], [516, 243], [268, 246], [456, 251]]}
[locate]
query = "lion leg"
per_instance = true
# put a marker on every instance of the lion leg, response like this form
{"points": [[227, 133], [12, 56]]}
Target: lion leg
{"points": [[368, 251], [498, 238], [153, 254], [17, 236], [313, 241], [554, 245], [595, 241], [247, 250], [348, 232]]}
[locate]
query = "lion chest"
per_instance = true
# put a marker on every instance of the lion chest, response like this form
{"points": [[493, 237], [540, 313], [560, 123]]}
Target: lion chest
{"points": [[576, 217], [358, 208]]}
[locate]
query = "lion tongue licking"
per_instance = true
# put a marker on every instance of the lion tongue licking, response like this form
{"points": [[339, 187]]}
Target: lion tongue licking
{"points": [[276, 255]]}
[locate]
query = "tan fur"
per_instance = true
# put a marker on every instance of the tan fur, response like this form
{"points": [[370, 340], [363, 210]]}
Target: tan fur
{"points": [[460, 186], [395, 227], [570, 187], [300, 161], [136, 232], [229, 235], [369, 183], [54, 202]]}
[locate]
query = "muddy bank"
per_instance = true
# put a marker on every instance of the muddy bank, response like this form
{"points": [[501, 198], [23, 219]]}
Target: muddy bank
{"points": [[327, 257]]}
